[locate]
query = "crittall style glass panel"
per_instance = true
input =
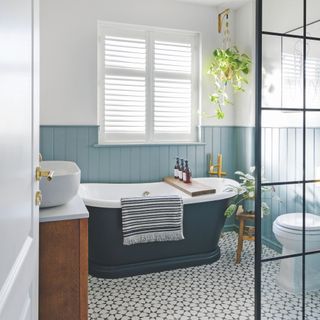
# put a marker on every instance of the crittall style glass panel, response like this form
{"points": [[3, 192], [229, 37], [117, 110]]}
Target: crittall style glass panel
{"points": [[281, 219], [313, 17], [281, 145], [312, 297], [281, 297], [288, 160], [313, 73], [282, 63], [312, 146], [285, 16]]}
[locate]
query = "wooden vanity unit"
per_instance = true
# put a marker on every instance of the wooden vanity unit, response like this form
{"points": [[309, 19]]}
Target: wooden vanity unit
{"points": [[63, 262]]}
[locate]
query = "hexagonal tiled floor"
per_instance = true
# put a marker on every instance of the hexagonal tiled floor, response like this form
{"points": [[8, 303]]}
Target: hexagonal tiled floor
{"points": [[219, 291]]}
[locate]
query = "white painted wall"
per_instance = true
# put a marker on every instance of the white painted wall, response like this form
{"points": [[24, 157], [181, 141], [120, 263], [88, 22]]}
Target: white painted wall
{"points": [[69, 50], [244, 113], [242, 28]]}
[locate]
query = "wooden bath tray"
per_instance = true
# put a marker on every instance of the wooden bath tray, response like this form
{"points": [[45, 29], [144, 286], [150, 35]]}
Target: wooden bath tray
{"points": [[193, 189]]}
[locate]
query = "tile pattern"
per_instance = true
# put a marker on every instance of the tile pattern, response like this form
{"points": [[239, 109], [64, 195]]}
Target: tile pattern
{"points": [[279, 304], [219, 291]]}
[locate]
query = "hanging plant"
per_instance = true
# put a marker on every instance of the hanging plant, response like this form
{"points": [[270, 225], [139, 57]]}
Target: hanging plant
{"points": [[229, 68]]}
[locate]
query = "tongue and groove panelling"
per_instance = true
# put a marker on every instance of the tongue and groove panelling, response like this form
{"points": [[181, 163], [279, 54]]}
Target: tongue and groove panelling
{"points": [[118, 163]]}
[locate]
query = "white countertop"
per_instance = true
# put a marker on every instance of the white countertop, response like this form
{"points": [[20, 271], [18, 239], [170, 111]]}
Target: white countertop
{"points": [[74, 209]]}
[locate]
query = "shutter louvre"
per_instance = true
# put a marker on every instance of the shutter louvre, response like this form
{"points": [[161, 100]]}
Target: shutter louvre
{"points": [[172, 108], [172, 57], [124, 102]]}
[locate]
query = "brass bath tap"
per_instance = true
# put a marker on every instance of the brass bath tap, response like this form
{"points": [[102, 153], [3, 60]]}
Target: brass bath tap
{"points": [[216, 170]]}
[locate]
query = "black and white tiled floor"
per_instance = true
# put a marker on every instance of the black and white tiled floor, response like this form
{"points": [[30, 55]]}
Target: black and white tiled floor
{"points": [[279, 304], [219, 291]]}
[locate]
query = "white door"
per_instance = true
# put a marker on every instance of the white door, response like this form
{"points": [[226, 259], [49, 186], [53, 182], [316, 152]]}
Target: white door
{"points": [[19, 217]]}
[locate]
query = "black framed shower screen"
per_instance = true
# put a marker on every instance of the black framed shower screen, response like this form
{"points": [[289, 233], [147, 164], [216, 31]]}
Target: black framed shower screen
{"points": [[304, 110]]}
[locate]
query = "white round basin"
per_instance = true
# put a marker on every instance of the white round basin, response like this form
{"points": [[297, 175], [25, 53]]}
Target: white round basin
{"points": [[64, 184]]}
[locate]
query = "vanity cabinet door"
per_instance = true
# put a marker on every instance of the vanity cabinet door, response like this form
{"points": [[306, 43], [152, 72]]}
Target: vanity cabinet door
{"points": [[64, 270]]}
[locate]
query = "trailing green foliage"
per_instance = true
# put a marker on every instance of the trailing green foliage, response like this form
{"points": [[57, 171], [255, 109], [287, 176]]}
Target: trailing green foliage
{"points": [[229, 68], [247, 191]]}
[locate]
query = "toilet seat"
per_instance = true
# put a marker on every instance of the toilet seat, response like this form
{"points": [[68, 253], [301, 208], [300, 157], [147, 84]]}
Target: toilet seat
{"points": [[293, 222]]}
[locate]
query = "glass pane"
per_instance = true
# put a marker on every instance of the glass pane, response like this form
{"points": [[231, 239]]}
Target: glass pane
{"points": [[282, 148], [281, 289], [313, 75], [313, 17], [281, 226], [285, 16], [312, 222], [312, 145], [312, 286], [282, 62]]}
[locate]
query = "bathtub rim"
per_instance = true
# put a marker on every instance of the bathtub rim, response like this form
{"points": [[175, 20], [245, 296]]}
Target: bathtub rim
{"points": [[105, 203]]}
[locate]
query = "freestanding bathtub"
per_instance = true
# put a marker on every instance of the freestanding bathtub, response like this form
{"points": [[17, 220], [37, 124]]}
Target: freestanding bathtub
{"points": [[202, 225]]}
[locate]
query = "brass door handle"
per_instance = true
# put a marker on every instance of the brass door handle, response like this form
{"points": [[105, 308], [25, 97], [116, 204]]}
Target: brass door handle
{"points": [[43, 174], [38, 198]]}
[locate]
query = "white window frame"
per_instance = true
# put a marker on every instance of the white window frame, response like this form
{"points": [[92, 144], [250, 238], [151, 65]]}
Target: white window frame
{"points": [[152, 33]]}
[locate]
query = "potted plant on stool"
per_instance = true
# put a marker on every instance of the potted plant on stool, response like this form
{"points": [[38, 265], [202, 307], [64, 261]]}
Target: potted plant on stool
{"points": [[246, 196]]}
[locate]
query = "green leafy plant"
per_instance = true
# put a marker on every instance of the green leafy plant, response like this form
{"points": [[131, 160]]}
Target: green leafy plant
{"points": [[229, 68], [247, 191]]}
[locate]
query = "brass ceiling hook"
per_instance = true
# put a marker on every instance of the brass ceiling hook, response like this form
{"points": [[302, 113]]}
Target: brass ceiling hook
{"points": [[221, 16]]}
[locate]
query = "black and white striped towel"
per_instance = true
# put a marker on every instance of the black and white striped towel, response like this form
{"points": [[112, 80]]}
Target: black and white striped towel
{"points": [[150, 219]]}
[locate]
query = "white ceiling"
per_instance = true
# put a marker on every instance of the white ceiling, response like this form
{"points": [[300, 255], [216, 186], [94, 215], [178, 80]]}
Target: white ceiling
{"points": [[230, 3]]}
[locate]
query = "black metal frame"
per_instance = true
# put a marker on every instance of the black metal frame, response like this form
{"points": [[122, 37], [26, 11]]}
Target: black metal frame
{"points": [[259, 260]]}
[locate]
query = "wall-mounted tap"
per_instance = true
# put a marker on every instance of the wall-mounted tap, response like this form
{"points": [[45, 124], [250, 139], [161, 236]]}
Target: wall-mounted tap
{"points": [[218, 172], [43, 174]]}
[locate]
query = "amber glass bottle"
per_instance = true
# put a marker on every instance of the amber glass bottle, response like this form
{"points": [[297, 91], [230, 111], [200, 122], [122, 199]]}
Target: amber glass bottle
{"points": [[181, 169], [176, 169], [186, 173]]}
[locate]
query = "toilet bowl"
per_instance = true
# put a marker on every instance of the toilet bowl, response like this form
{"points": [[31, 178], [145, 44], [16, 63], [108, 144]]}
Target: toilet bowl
{"points": [[287, 229]]}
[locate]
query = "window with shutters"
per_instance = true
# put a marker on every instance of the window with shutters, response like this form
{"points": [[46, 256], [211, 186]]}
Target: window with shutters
{"points": [[148, 84]]}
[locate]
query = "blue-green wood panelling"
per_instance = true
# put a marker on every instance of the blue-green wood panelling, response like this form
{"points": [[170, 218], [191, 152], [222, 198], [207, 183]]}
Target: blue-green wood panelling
{"points": [[118, 163], [142, 163]]}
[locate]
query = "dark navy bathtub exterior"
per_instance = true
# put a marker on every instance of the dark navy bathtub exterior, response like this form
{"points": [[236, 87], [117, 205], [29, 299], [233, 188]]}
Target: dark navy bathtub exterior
{"points": [[109, 258]]}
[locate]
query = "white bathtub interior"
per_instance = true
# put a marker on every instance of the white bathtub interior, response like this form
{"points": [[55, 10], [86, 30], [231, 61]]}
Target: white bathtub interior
{"points": [[109, 194]]}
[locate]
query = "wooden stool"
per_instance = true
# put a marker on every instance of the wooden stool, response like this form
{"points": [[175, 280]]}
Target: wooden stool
{"points": [[245, 232]]}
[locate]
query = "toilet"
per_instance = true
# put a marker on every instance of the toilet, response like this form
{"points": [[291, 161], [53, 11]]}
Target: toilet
{"points": [[287, 229]]}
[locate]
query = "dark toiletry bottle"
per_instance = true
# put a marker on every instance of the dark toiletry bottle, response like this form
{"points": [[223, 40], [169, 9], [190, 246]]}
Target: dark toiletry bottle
{"points": [[176, 169], [181, 169], [186, 173]]}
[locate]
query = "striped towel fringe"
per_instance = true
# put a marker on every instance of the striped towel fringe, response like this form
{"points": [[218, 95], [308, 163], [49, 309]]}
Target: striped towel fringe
{"points": [[152, 219]]}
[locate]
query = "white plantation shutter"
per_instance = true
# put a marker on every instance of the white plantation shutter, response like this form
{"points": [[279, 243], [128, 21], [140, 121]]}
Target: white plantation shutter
{"points": [[173, 89], [150, 84]]}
